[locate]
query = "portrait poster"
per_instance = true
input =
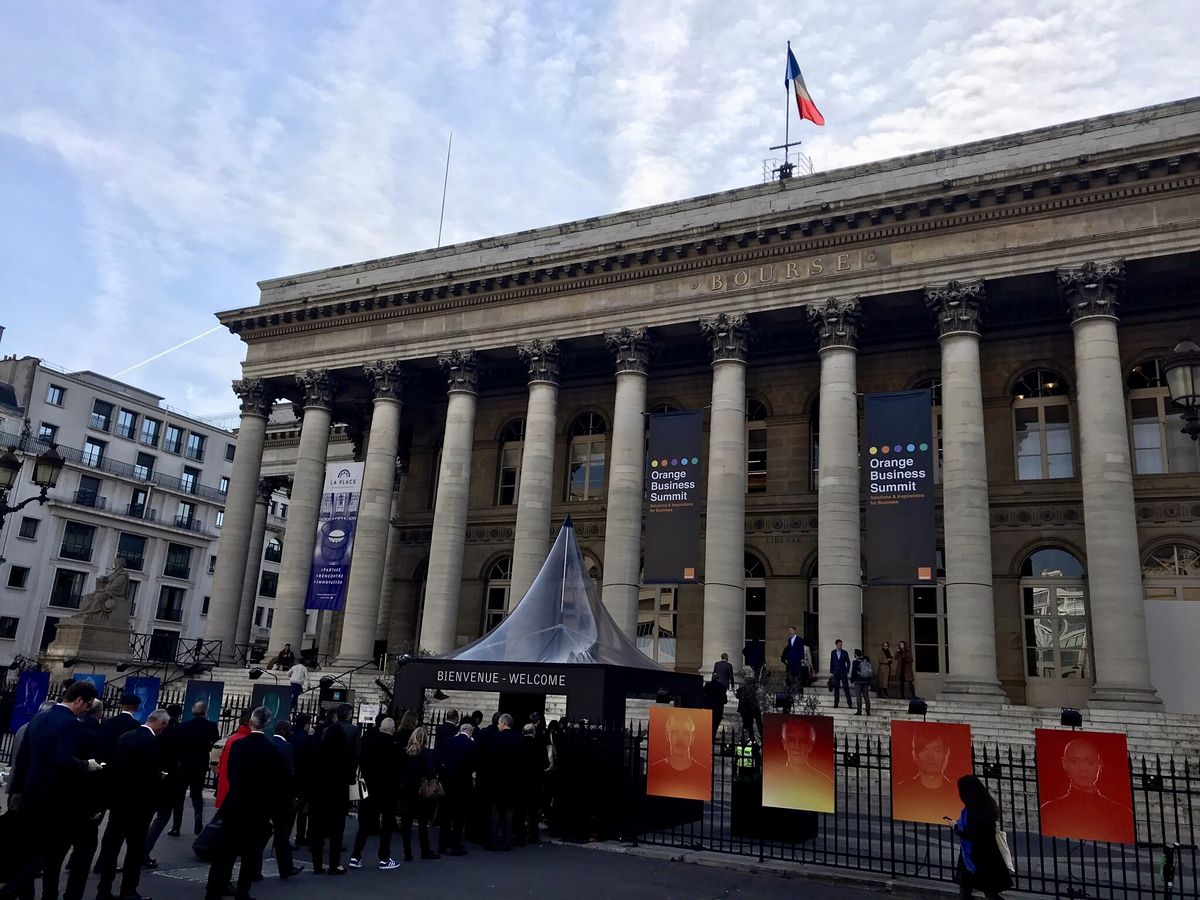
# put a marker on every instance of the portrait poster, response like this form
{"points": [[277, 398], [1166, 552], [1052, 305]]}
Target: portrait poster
{"points": [[679, 757], [673, 474], [336, 522], [928, 758], [1083, 785], [95, 679], [32, 690], [209, 693], [276, 699], [798, 762], [145, 688]]}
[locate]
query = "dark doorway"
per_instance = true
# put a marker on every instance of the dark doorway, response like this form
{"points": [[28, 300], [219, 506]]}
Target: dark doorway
{"points": [[519, 706]]}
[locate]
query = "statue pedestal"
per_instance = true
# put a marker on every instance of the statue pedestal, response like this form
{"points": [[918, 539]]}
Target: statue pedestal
{"points": [[99, 641]]}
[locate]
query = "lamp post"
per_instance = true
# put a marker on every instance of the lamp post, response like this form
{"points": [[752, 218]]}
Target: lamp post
{"points": [[46, 469], [1182, 371]]}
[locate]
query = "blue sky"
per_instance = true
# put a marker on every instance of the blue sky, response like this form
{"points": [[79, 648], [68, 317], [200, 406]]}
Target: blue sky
{"points": [[157, 159]]}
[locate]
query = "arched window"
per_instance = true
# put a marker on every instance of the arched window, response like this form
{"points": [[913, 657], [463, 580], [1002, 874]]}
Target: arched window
{"points": [[656, 622], [1054, 603], [756, 597], [496, 593], [1172, 572], [592, 566], [585, 468], [274, 550], [934, 386], [814, 444], [1159, 446], [756, 446], [508, 471], [1042, 426]]}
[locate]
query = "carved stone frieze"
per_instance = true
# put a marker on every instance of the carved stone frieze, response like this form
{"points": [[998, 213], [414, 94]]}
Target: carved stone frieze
{"points": [[255, 395], [543, 358], [957, 306], [1092, 289], [319, 388], [728, 335], [462, 370], [630, 348], [388, 379], [836, 322]]}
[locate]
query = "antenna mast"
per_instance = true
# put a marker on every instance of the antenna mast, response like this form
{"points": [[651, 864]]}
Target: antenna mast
{"points": [[446, 181]]}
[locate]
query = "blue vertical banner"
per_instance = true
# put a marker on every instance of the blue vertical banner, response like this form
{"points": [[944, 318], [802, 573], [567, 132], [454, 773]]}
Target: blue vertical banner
{"points": [[145, 688], [207, 692], [336, 521], [32, 690], [898, 455]]}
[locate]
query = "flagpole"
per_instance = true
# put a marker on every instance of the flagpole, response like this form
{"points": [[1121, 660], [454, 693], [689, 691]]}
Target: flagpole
{"points": [[787, 109]]}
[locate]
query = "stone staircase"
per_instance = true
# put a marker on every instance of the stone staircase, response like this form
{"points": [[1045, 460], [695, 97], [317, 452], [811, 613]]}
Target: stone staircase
{"points": [[237, 681]]}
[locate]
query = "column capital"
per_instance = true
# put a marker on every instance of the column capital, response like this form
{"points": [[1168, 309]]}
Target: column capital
{"points": [[543, 358], [728, 335], [462, 370], [319, 387], [255, 396], [836, 322], [956, 305], [388, 379], [630, 347], [1092, 289]]}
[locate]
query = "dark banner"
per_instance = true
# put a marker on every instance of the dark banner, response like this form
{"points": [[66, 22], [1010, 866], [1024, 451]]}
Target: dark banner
{"points": [[898, 474], [672, 486]]}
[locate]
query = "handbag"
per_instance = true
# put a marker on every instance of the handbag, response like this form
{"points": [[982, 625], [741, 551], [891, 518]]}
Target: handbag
{"points": [[1005, 852], [358, 790], [431, 789]]}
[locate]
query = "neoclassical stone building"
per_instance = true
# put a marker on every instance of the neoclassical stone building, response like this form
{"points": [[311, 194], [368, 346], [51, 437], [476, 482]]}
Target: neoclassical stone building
{"points": [[1033, 283]]}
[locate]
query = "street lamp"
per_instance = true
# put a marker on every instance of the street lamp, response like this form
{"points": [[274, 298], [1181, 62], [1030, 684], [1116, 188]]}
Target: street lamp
{"points": [[46, 469], [1182, 371]]}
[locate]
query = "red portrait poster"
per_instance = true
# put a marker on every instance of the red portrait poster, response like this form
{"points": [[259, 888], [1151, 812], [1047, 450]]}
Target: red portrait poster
{"points": [[1083, 785], [680, 753], [798, 762], [928, 758]]}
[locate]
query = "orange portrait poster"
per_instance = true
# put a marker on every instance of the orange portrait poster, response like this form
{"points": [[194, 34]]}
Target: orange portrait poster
{"points": [[928, 758], [798, 762], [679, 758], [1083, 785]]}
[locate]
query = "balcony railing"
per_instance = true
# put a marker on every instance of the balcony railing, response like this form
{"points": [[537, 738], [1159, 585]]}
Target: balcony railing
{"points": [[196, 453], [172, 570], [126, 431], [169, 614], [90, 499], [191, 523]]}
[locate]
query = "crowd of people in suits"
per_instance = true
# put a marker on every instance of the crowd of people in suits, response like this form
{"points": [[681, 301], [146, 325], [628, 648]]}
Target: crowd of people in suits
{"points": [[292, 783]]}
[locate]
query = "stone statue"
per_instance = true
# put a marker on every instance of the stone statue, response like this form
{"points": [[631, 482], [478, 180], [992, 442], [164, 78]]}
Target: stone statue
{"points": [[109, 589]]}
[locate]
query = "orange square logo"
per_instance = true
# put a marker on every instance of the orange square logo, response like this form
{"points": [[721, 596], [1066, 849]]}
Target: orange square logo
{"points": [[689, 573], [924, 573]]}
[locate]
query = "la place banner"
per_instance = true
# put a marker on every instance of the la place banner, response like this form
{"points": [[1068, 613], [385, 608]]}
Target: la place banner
{"points": [[335, 536], [672, 485], [898, 456]]}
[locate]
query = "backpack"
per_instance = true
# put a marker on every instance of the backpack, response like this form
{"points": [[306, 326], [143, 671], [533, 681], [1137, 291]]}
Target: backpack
{"points": [[865, 670]]}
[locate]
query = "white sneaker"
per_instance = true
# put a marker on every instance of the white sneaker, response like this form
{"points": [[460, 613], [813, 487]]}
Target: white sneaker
{"points": [[355, 863], [388, 865]]}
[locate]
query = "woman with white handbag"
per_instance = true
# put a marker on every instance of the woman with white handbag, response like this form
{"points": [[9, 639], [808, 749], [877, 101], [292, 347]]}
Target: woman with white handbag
{"points": [[984, 861]]}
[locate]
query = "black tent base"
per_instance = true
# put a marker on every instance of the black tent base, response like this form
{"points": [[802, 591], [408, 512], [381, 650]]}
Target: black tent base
{"points": [[595, 692]]}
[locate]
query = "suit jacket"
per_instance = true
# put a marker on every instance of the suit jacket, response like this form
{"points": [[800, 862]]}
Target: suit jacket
{"points": [[257, 785], [442, 735], [287, 754], [793, 655], [504, 764], [723, 673], [839, 663], [304, 757], [137, 776], [47, 771], [196, 738], [111, 730], [458, 761]]}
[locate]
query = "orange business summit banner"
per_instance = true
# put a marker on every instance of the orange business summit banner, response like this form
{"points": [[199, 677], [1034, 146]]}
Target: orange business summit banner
{"points": [[1083, 785], [680, 753], [928, 758], [798, 762]]}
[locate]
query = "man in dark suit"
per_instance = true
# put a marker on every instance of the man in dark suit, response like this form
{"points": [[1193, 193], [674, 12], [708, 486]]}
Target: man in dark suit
{"points": [[504, 766], [283, 816], [196, 738], [48, 776], [839, 672], [85, 824], [256, 788], [136, 785], [455, 768], [304, 756], [111, 729], [723, 672], [446, 729], [793, 660], [170, 751], [337, 763]]}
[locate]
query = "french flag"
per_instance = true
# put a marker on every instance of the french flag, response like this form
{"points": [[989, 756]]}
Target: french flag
{"points": [[804, 100]]}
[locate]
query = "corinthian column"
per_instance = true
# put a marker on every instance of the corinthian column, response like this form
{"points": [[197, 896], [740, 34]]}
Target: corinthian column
{"points": [[1114, 570], [238, 526], [307, 482], [970, 617], [626, 471], [449, 537], [839, 555], [393, 557], [531, 541], [387, 378], [258, 537], [725, 518]]}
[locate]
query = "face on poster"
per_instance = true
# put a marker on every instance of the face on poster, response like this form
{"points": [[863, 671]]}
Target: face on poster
{"points": [[798, 762], [276, 699], [32, 690], [145, 688], [1083, 785], [680, 753], [928, 758], [207, 692]]}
